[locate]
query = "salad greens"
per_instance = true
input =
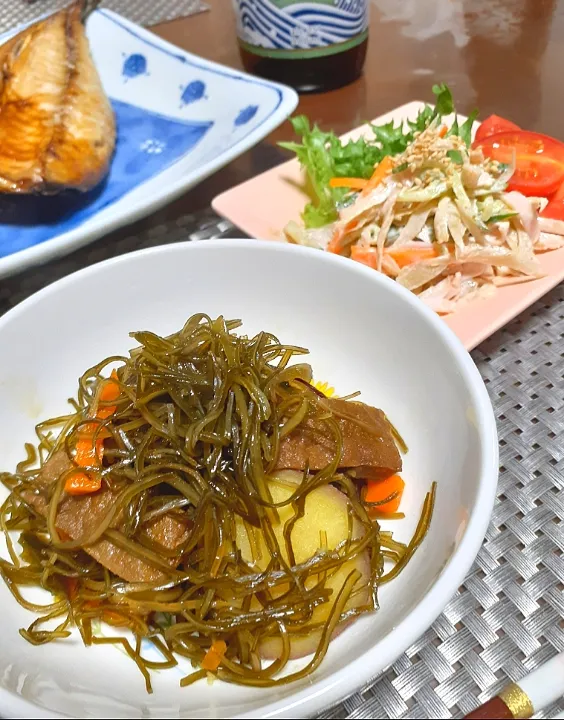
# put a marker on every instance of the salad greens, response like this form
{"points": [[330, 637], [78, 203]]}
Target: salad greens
{"points": [[324, 156], [456, 157]]}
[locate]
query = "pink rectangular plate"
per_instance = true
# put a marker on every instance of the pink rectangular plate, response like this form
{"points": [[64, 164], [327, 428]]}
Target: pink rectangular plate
{"points": [[261, 207]]}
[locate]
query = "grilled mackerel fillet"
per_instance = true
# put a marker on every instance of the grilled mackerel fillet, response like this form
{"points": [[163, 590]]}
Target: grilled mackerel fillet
{"points": [[57, 127]]}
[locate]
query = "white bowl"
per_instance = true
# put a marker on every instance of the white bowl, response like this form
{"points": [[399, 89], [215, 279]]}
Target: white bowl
{"points": [[364, 332]]}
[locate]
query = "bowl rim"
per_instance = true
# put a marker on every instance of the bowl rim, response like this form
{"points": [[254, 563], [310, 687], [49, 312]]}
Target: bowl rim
{"points": [[344, 682]]}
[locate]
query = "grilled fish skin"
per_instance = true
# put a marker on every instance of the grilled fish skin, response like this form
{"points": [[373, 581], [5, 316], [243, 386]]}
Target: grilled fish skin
{"points": [[57, 127]]}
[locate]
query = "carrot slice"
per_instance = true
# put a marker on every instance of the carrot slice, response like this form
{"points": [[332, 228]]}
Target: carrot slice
{"points": [[408, 254], [443, 131], [214, 656], [71, 587], [336, 244], [348, 182], [365, 255], [88, 451], [381, 171], [109, 392], [80, 483], [378, 491]]}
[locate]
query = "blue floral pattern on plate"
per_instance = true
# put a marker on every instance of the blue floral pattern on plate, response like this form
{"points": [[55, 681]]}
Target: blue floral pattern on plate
{"points": [[134, 65], [193, 92], [179, 118], [147, 144], [246, 115]]}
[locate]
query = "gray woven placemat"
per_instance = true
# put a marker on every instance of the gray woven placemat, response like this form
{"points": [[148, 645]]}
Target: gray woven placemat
{"points": [[508, 616], [144, 12]]}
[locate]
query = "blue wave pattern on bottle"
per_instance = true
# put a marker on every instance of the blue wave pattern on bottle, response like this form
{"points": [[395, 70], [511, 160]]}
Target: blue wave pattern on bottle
{"points": [[300, 24]]}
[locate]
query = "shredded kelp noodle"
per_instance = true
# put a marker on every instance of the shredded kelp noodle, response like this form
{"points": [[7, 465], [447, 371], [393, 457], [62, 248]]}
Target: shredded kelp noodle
{"points": [[195, 434]]}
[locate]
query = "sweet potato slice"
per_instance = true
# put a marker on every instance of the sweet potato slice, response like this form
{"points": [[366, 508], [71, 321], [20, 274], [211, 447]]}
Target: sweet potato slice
{"points": [[325, 523]]}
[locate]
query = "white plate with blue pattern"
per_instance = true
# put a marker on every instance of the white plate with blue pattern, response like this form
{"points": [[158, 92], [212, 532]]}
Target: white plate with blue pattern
{"points": [[180, 118]]}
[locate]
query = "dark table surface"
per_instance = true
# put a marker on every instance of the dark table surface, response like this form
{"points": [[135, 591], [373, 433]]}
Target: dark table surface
{"points": [[502, 56]]}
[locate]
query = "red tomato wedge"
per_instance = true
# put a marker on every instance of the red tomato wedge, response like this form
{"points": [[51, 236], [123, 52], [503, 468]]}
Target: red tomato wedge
{"points": [[555, 208], [539, 160], [491, 126]]}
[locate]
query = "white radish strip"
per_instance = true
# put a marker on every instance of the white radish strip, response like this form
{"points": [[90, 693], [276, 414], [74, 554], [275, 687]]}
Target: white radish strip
{"points": [[364, 203], [413, 227], [512, 280], [548, 241], [551, 226], [388, 216], [527, 213]]}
